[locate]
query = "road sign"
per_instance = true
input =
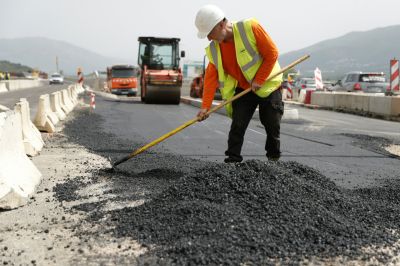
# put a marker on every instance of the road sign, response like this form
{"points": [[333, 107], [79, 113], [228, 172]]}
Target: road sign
{"points": [[318, 79], [394, 75]]}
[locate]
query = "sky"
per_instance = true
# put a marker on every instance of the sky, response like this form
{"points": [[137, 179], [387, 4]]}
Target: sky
{"points": [[111, 27]]}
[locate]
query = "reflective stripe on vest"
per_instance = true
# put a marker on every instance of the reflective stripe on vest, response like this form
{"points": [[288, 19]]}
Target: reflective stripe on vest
{"points": [[214, 55], [250, 50]]}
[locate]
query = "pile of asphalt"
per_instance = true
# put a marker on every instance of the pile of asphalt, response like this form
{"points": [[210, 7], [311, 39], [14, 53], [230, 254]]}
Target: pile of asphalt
{"points": [[256, 212]]}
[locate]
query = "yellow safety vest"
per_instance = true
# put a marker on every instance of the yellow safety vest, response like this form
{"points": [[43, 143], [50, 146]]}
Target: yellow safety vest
{"points": [[249, 61]]}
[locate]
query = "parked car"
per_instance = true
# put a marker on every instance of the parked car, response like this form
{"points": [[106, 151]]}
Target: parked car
{"points": [[368, 82], [328, 85], [56, 79], [305, 84]]}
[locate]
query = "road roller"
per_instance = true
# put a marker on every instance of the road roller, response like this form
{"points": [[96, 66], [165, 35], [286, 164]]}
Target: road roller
{"points": [[160, 76]]}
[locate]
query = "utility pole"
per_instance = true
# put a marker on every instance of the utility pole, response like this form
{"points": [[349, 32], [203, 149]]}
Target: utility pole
{"points": [[57, 64]]}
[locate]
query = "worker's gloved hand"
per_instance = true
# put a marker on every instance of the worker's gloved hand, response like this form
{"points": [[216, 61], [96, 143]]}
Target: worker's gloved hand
{"points": [[255, 86], [202, 114]]}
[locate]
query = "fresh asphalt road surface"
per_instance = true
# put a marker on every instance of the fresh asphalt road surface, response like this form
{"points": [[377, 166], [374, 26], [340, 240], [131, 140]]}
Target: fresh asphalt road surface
{"points": [[316, 139]]}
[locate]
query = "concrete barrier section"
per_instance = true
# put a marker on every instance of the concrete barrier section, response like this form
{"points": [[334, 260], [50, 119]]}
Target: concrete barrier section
{"points": [[3, 87], [4, 108], [322, 99], [371, 103], [53, 116], [55, 106], [18, 84], [32, 139], [302, 96], [360, 102], [67, 101], [61, 103], [44, 120], [380, 105], [395, 106], [343, 100], [71, 95], [18, 175], [79, 88]]}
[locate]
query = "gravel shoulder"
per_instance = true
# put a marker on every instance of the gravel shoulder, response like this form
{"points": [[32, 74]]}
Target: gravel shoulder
{"points": [[47, 231]]}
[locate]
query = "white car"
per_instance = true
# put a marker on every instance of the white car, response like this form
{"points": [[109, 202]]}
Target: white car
{"points": [[56, 79]]}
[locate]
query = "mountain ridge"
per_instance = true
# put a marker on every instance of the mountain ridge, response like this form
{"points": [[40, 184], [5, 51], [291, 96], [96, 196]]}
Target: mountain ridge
{"points": [[40, 53], [354, 51]]}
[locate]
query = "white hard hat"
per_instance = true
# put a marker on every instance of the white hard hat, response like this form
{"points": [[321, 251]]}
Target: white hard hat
{"points": [[206, 18]]}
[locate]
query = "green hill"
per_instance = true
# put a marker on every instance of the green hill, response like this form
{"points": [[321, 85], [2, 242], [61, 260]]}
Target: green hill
{"points": [[355, 51], [6, 66]]}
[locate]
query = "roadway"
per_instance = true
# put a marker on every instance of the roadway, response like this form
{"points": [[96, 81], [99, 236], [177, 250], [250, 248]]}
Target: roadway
{"points": [[346, 148], [9, 99], [80, 210]]}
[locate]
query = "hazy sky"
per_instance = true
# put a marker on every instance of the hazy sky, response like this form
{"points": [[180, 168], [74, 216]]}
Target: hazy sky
{"points": [[111, 27]]}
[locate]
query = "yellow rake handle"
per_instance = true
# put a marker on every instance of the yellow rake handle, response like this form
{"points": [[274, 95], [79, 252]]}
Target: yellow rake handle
{"points": [[194, 120]]}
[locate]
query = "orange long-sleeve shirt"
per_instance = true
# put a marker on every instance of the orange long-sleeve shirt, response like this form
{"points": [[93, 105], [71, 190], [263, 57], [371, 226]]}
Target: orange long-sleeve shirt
{"points": [[268, 51]]}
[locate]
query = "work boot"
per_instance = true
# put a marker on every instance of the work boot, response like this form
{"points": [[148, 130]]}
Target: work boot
{"points": [[232, 160], [273, 159]]}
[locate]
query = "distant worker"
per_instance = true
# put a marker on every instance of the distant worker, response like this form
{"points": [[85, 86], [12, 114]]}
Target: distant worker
{"points": [[148, 49], [80, 76], [241, 56], [149, 58]]}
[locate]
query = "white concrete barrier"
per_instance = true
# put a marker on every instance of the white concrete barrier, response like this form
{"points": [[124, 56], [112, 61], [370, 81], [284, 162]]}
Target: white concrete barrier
{"points": [[18, 175], [380, 105], [371, 103], [18, 84], [55, 106], [31, 137], [79, 88], [302, 96], [395, 106], [71, 95], [3, 87], [321, 99], [61, 103], [44, 118], [53, 116], [66, 100], [3, 108], [360, 102], [343, 100]]}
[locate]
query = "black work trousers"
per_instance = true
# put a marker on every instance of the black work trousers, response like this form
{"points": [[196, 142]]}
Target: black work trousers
{"points": [[270, 112]]}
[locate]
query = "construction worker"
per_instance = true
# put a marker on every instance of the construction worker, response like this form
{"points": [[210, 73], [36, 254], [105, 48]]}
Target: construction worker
{"points": [[241, 56]]}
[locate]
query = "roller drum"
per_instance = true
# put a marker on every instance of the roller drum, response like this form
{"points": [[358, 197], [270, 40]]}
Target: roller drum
{"points": [[163, 94]]}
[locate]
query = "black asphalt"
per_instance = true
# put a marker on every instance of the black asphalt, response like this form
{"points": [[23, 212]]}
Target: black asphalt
{"points": [[258, 212]]}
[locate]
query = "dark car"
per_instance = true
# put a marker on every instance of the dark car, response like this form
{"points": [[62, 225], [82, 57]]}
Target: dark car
{"points": [[368, 82]]}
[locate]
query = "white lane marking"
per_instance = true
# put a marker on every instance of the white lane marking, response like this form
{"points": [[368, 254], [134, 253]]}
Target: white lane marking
{"points": [[255, 131], [220, 132]]}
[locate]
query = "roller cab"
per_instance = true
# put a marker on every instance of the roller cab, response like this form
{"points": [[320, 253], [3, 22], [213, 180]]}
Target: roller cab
{"points": [[160, 75]]}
